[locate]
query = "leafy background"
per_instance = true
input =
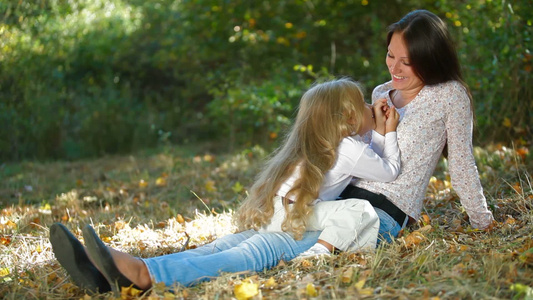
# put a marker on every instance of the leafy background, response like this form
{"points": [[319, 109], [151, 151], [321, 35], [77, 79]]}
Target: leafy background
{"points": [[87, 78], [148, 120]]}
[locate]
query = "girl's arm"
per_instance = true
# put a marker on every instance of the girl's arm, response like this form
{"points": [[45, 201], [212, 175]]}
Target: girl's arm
{"points": [[371, 166]]}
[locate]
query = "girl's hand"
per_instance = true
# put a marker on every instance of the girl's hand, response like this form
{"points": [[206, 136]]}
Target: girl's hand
{"points": [[393, 118], [380, 109]]}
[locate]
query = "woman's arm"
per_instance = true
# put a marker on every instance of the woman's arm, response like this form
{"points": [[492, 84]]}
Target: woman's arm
{"points": [[461, 162]]}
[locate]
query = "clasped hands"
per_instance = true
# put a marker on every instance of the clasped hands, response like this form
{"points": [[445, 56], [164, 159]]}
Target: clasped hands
{"points": [[386, 117]]}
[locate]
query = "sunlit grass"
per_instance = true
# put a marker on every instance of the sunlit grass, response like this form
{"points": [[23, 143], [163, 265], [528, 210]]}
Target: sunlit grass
{"points": [[167, 200]]}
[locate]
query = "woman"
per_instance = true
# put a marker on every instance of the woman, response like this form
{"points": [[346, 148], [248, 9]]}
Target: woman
{"points": [[434, 104], [435, 109]]}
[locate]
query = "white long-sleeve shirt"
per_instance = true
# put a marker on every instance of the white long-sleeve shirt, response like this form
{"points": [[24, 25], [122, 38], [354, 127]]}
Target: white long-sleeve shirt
{"points": [[439, 113], [379, 161]]}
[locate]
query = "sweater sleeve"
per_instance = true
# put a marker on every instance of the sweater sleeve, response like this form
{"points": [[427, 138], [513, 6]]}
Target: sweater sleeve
{"points": [[461, 162]]}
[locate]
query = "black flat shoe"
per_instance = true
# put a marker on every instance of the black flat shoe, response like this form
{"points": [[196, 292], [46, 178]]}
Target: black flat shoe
{"points": [[72, 256], [104, 261]]}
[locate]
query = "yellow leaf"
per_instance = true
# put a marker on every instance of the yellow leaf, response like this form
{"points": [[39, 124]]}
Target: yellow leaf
{"points": [[4, 272], [347, 275], [11, 224], [237, 187], [363, 291], [210, 186], [142, 183], [128, 292], [360, 284], [161, 181], [527, 256], [510, 220], [311, 290], [271, 282], [464, 248], [507, 122], [209, 158], [245, 290], [180, 219], [522, 290]]}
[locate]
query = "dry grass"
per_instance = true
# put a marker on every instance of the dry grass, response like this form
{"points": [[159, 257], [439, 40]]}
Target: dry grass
{"points": [[143, 204]]}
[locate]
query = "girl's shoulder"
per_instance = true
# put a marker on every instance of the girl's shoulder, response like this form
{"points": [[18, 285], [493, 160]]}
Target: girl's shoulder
{"points": [[351, 148], [354, 141]]}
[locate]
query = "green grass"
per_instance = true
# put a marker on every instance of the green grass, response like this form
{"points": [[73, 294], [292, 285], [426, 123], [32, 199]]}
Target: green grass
{"points": [[147, 204]]}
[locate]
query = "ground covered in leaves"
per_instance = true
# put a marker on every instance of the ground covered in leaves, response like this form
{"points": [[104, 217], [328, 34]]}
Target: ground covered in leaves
{"points": [[171, 199]]}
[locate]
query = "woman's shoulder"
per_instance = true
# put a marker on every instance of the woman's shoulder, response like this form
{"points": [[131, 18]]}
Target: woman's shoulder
{"points": [[450, 91], [381, 90], [451, 86]]}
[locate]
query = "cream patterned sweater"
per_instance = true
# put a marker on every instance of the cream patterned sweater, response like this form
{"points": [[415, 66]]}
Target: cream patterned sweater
{"points": [[439, 113]]}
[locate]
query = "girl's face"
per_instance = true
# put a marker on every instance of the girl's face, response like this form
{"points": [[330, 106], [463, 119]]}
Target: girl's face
{"points": [[403, 76], [369, 122]]}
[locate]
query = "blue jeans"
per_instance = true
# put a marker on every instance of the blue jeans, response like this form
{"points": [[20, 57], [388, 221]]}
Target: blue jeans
{"points": [[239, 252], [388, 227]]}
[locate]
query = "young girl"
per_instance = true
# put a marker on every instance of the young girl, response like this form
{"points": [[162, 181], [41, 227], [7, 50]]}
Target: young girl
{"points": [[316, 162], [321, 154]]}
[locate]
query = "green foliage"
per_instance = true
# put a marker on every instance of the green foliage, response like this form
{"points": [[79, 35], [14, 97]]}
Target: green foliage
{"points": [[85, 78]]}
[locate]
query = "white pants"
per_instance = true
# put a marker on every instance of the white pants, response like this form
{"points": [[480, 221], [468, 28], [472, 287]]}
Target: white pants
{"points": [[348, 225]]}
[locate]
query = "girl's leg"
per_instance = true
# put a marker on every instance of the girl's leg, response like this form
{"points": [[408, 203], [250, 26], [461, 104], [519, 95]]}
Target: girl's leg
{"points": [[223, 243], [348, 225], [257, 253]]}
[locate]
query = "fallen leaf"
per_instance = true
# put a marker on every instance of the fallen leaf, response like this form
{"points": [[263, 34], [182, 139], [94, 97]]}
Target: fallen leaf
{"points": [[161, 181], [311, 290], [507, 122], [271, 283], [142, 183], [360, 288], [510, 220], [237, 187], [245, 290], [527, 256], [522, 290], [180, 219], [5, 240], [347, 275], [128, 292], [210, 186], [413, 239]]}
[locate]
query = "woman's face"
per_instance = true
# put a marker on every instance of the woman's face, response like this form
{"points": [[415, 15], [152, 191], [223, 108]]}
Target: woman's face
{"points": [[403, 76]]}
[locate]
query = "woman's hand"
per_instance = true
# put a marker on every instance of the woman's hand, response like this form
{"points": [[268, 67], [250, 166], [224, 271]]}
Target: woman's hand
{"points": [[393, 118], [380, 109]]}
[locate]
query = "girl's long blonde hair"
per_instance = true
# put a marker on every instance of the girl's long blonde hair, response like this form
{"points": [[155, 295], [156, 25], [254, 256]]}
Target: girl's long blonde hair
{"points": [[328, 112]]}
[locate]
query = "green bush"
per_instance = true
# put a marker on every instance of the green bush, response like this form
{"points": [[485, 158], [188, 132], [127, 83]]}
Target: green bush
{"points": [[86, 78]]}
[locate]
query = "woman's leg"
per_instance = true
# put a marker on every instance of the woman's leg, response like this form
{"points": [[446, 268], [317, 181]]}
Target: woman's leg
{"points": [[388, 227], [257, 253]]}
